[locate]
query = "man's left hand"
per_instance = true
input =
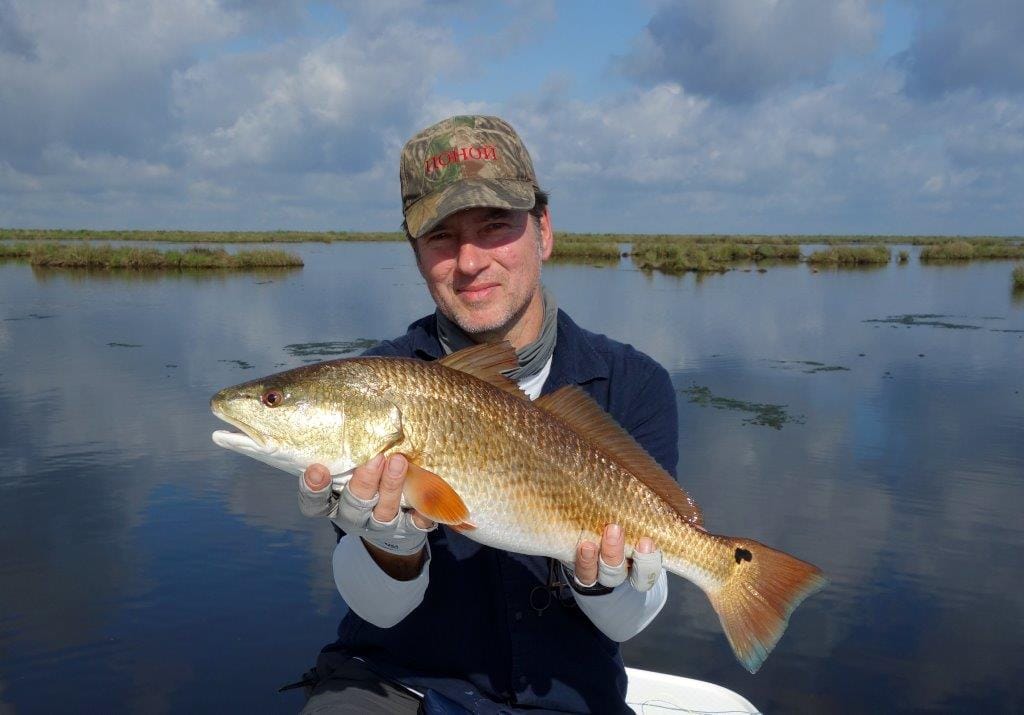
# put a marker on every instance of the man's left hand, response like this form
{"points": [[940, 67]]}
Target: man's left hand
{"points": [[606, 564]]}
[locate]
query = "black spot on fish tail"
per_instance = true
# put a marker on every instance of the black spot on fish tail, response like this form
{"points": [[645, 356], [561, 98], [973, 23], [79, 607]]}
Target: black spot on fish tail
{"points": [[743, 555]]}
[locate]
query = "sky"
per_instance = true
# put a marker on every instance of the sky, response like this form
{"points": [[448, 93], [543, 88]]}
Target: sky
{"points": [[656, 116]]}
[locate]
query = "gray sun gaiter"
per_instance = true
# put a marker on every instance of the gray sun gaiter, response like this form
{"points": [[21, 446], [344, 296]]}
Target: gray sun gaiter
{"points": [[531, 357]]}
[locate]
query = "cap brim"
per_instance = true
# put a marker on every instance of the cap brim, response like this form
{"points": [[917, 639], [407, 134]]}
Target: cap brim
{"points": [[434, 208]]}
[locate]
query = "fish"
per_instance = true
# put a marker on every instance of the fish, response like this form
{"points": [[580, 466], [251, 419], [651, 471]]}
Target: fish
{"points": [[534, 477]]}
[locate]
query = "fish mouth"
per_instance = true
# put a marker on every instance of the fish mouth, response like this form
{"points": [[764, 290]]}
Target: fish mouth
{"points": [[248, 440]]}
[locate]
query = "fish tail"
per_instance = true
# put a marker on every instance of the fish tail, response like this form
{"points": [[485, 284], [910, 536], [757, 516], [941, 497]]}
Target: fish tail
{"points": [[755, 602]]}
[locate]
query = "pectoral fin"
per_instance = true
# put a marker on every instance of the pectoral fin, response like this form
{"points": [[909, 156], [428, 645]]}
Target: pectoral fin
{"points": [[434, 498]]}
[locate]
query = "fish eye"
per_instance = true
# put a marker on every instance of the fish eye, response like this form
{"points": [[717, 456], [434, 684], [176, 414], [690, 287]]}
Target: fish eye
{"points": [[272, 397]]}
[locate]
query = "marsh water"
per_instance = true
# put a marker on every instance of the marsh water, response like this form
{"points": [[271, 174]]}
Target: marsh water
{"points": [[869, 421]]}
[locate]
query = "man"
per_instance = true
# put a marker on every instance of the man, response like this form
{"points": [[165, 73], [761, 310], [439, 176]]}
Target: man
{"points": [[430, 610]]}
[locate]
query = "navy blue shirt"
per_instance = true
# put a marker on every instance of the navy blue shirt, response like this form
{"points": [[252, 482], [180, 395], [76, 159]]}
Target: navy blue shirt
{"points": [[488, 634]]}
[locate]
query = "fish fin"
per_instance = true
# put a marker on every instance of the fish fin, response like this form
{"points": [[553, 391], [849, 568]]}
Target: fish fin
{"points": [[464, 526], [575, 407], [486, 362], [433, 497], [755, 602]]}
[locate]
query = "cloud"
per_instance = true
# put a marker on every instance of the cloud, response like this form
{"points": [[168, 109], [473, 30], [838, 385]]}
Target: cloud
{"points": [[856, 156], [737, 50], [97, 77], [13, 39], [330, 106], [966, 45], [743, 116]]}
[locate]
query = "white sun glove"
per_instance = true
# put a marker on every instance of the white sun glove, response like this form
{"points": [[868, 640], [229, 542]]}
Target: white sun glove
{"points": [[646, 569], [642, 574], [400, 536]]}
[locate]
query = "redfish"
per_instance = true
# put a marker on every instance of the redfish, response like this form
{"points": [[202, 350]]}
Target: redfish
{"points": [[531, 477]]}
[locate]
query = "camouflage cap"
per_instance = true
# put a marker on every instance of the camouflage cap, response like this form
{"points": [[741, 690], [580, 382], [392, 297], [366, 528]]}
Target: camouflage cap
{"points": [[460, 163]]}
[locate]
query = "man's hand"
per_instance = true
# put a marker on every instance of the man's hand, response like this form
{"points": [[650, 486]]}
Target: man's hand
{"points": [[370, 507], [606, 564]]}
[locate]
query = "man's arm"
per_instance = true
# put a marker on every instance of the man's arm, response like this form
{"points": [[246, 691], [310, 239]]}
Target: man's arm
{"points": [[627, 608], [386, 478], [382, 587], [370, 592]]}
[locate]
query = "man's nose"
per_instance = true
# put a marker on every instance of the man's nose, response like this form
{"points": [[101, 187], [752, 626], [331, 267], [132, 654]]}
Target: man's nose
{"points": [[471, 257]]}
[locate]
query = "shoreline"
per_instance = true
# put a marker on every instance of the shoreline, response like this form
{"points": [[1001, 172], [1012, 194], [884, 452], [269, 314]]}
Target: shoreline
{"points": [[34, 234]]}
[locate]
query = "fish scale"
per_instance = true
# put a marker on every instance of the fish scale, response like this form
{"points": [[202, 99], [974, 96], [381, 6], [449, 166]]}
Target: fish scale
{"points": [[531, 477], [548, 502]]}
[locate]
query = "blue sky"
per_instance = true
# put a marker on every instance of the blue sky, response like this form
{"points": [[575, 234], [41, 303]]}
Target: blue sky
{"points": [[773, 116]]}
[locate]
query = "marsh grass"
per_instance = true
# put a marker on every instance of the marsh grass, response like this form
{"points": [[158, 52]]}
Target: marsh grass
{"points": [[31, 234], [585, 250], [971, 250], [15, 250], [680, 256], [23, 234], [69, 255], [851, 256], [796, 239]]}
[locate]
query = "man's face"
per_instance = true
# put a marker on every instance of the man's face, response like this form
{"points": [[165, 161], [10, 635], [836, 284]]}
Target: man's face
{"points": [[483, 265]]}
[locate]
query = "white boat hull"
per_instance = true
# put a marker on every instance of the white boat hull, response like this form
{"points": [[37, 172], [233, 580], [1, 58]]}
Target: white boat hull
{"points": [[650, 693]]}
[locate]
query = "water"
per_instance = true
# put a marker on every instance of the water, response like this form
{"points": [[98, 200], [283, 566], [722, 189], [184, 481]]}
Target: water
{"points": [[143, 568]]}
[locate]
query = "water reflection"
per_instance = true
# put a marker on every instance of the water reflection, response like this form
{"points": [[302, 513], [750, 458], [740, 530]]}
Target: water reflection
{"points": [[151, 568]]}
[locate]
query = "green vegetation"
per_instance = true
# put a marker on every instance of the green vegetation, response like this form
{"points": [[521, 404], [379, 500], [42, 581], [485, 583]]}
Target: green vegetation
{"points": [[63, 255], [851, 256], [330, 349], [809, 366], [931, 319], [1018, 277], [28, 234], [679, 256], [969, 250], [669, 253], [15, 250], [572, 250], [764, 414], [32, 234]]}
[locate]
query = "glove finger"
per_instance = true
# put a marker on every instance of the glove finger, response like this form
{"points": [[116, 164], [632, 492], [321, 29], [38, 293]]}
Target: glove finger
{"points": [[646, 569], [354, 512], [610, 576], [374, 524], [430, 525], [315, 503]]}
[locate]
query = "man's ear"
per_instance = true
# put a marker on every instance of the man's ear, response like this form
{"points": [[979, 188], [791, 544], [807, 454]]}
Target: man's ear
{"points": [[547, 234]]}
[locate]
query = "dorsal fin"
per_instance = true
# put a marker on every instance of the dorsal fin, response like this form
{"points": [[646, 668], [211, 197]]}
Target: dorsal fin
{"points": [[576, 408], [486, 362]]}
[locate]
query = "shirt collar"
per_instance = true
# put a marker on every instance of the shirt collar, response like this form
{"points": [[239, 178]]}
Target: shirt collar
{"points": [[425, 344]]}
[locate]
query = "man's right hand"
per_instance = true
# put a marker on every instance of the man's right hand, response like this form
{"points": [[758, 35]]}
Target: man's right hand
{"points": [[370, 507]]}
